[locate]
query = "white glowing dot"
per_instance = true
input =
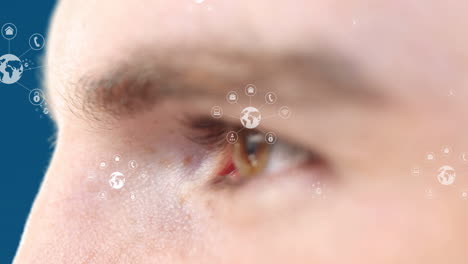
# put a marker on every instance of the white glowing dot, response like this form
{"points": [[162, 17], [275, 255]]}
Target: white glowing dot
{"points": [[102, 165]]}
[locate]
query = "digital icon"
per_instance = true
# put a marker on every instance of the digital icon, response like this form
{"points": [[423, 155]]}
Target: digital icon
{"points": [[446, 175], [232, 137], [232, 97], [250, 117], [270, 138], [464, 194], [416, 171], [270, 98], [132, 196], [464, 157], [102, 195], [132, 164], [36, 41], [11, 69], [446, 150], [36, 97], [429, 193], [216, 112], [117, 180], [116, 158], [9, 31], [45, 111], [102, 165], [430, 156], [284, 112], [250, 90]]}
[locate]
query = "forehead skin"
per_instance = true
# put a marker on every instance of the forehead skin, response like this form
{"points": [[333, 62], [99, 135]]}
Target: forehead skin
{"points": [[398, 43]]}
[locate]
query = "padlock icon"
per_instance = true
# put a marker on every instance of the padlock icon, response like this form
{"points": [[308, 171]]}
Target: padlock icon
{"points": [[270, 138], [37, 97]]}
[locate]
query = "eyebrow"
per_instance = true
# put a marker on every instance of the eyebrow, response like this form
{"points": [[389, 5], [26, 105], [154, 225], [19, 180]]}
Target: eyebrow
{"points": [[140, 81]]}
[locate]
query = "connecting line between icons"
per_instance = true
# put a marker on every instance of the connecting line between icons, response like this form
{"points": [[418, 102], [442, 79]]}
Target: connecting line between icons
{"points": [[9, 51], [233, 117], [270, 116], [23, 86], [33, 68], [24, 53]]}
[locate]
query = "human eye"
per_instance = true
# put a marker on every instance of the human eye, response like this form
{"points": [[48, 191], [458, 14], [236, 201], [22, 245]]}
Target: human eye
{"points": [[254, 156]]}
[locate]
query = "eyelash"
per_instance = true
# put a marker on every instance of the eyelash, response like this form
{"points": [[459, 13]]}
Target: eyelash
{"points": [[207, 132]]}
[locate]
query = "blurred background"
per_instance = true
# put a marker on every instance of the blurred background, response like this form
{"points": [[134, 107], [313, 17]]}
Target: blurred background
{"points": [[26, 133]]}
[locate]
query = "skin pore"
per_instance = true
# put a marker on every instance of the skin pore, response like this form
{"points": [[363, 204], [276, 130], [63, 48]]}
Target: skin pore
{"points": [[368, 84]]}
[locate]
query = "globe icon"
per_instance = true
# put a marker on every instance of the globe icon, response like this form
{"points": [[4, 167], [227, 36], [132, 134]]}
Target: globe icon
{"points": [[250, 117], [446, 175], [11, 69]]}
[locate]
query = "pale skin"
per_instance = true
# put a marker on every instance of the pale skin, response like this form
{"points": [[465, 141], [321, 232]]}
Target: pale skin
{"points": [[407, 55]]}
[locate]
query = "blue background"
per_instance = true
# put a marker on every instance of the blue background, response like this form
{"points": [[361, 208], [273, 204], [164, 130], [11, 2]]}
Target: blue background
{"points": [[26, 133]]}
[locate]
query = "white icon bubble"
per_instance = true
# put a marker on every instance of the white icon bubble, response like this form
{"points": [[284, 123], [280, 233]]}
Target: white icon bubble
{"points": [[416, 171], [36, 41], [430, 156], [464, 195], [464, 157], [232, 97], [318, 191], [117, 180], [132, 164], [11, 69], [429, 193], [102, 195], [216, 112], [132, 196], [250, 90], [232, 137], [102, 165], [446, 175], [284, 112], [446, 150], [270, 98], [36, 97], [116, 158], [270, 138], [45, 111], [9, 31], [250, 117]]}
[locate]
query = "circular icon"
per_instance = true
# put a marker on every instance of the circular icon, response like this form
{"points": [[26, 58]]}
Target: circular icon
{"points": [[132, 164], [117, 180], [9, 31], [250, 117], [116, 158], [36, 41], [250, 90], [464, 157], [232, 97], [430, 156], [11, 69], [284, 112], [102, 165], [446, 150], [36, 97], [216, 112], [446, 175], [232, 137], [270, 98], [270, 138], [132, 196], [464, 195]]}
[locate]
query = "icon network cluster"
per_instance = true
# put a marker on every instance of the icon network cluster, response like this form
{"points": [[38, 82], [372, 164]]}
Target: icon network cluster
{"points": [[445, 173], [250, 116], [12, 66]]}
